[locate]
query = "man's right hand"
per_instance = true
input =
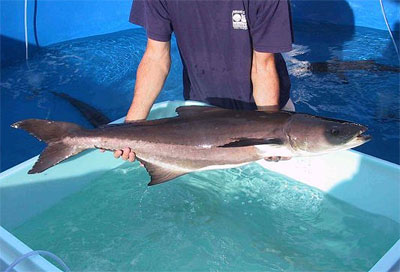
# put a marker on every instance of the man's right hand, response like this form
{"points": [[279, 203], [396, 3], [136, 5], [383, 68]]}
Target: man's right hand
{"points": [[126, 154]]}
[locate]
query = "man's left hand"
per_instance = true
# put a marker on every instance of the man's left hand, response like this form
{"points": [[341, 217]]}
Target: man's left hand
{"points": [[277, 159]]}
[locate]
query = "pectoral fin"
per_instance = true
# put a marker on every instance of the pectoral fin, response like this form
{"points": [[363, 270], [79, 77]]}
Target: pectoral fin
{"points": [[159, 174], [253, 141]]}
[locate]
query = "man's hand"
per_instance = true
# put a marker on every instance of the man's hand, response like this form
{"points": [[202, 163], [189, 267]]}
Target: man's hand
{"points": [[126, 154], [277, 158]]}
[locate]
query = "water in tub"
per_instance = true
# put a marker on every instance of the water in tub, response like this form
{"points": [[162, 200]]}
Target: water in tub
{"points": [[239, 219]]}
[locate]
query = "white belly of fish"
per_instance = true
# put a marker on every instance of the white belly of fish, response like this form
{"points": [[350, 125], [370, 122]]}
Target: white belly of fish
{"points": [[264, 151], [222, 166]]}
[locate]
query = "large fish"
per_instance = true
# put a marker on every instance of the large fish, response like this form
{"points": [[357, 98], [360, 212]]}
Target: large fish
{"points": [[199, 138], [340, 67]]}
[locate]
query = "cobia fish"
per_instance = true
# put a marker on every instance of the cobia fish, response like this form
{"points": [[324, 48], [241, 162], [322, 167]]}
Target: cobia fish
{"points": [[342, 66], [339, 67], [199, 138]]}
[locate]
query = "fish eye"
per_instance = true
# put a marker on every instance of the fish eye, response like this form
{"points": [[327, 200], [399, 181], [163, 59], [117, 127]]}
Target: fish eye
{"points": [[335, 131]]}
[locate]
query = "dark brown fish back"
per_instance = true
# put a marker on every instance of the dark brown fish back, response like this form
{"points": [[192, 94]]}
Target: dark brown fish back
{"points": [[207, 128]]}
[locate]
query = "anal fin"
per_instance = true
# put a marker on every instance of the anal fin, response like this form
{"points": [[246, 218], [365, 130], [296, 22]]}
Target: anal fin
{"points": [[159, 174], [52, 155]]}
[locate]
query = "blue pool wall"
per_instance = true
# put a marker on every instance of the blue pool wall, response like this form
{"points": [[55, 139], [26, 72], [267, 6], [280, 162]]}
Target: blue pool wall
{"points": [[61, 20], [57, 21], [365, 13]]}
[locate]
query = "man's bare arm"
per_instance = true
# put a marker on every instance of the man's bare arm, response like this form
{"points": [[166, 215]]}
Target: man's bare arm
{"points": [[150, 78], [265, 81]]}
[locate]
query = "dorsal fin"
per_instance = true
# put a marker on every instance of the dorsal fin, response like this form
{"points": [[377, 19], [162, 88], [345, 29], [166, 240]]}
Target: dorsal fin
{"points": [[159, 174], [188, 111], [93, 115]]}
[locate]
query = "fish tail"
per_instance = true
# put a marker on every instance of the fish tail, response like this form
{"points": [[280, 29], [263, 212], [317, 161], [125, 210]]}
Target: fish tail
{"points": [[53, 134]]}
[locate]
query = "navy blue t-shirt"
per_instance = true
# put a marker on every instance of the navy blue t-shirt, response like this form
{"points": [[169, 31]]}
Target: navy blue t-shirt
{"points": [[216, 39]]}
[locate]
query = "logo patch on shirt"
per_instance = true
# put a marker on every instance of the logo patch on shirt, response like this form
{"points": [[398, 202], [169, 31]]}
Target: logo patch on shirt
{"points": [[239, 19]]}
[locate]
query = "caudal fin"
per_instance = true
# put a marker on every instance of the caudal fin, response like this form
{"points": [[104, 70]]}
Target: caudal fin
{"points": [[53, 134]]}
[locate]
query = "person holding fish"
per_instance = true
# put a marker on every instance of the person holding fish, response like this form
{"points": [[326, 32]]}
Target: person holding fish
{"points": [[230, 52]]}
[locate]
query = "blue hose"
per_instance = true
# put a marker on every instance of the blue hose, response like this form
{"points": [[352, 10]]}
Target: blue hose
{"points": [[37, 252], [388, 28]]}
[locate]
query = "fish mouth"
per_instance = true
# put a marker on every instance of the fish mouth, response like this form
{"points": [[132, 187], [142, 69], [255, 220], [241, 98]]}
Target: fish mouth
{"points": [[363, 137], [359, 139]]}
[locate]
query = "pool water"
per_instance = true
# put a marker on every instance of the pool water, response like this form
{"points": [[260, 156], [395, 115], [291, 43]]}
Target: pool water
{"points": [[369, 98], [238, 219], [100, 71]]}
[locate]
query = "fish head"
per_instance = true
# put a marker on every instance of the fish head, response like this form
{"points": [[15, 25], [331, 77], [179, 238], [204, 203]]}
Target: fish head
{"points": [[309, 134]]}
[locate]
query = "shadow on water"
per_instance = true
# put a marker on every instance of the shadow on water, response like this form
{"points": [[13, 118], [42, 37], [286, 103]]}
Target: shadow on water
{"points": [[329, 12], [389, 51], [12, 50], [376, 188], [36, 195], [374, 185]]}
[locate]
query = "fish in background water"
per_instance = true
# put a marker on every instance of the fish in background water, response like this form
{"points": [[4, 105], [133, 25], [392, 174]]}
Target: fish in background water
{"points": [[94, 116], [339, 67], [199, 138]]}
